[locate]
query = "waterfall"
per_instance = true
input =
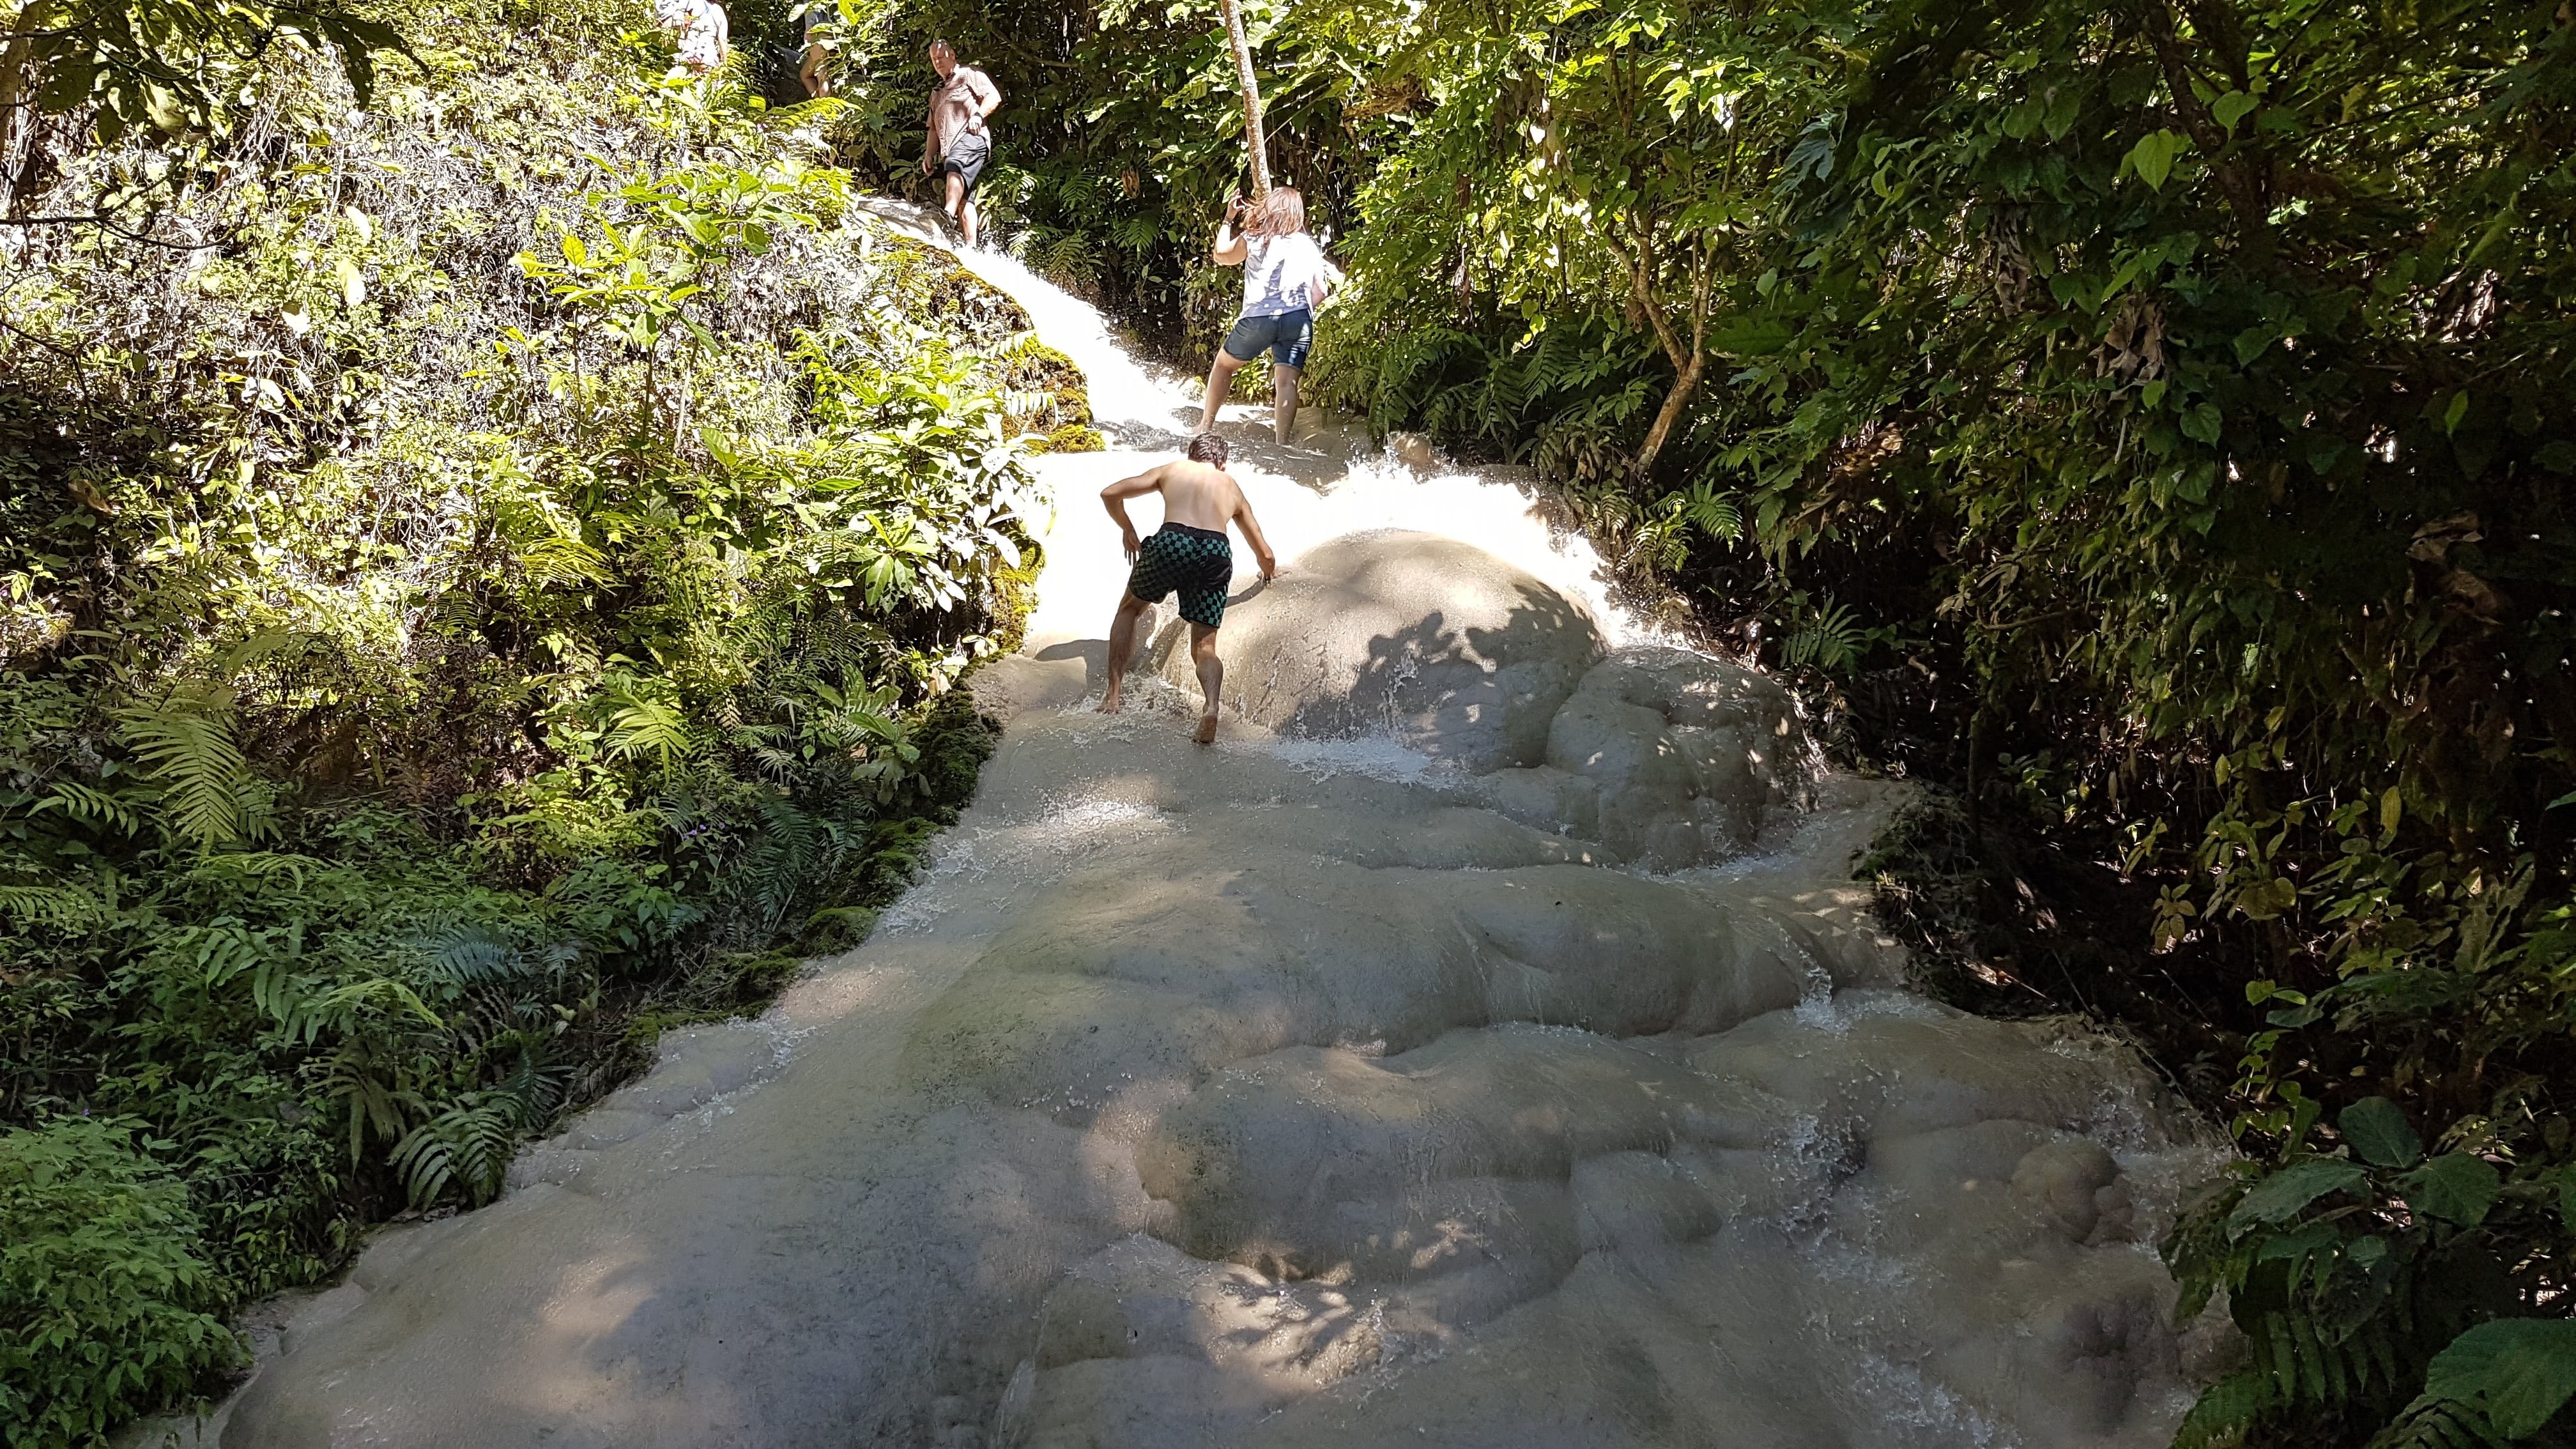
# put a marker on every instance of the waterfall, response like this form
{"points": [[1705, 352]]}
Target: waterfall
{"points": [[1486, 1044]]}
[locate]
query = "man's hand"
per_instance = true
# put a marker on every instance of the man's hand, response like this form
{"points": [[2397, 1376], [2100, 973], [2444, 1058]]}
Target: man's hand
{"points": [[925, 165], [1269, 567], [1128, 541]]}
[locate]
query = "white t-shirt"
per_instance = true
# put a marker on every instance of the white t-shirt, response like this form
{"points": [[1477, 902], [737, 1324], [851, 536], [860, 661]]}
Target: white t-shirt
{"points": [[701, 36], [1280, 273]]}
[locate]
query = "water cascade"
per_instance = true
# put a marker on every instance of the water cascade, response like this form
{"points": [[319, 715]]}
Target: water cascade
{"points": [[1483, 1045]]}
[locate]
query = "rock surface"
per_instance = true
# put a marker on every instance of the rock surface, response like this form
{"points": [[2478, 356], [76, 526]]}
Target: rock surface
{"points": [[1314, 1090]]}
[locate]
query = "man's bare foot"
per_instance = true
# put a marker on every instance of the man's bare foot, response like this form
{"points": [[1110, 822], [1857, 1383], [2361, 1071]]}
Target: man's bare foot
{"points": [[1207, 730], [1109, 703]]}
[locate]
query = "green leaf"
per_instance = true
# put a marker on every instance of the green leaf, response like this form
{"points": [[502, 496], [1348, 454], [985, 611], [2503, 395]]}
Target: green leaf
{"points": [[2200, 422], [2153, 157], [2286, 1193], [2455, 1186], [2232, 108], [2520, 1370], [2379, 1132], [353, 284]]}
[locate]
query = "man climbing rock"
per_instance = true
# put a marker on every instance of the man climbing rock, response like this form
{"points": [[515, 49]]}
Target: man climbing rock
{"points": [[959, 144], [1286, 278], [1191, 554]]}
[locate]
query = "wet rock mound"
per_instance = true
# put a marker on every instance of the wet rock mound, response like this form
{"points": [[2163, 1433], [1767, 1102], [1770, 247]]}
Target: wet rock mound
{"points": [[1302, 1093], [1453, 651]]}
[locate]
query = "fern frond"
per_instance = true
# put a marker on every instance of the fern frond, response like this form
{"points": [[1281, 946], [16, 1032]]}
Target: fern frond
{"points": [[90, 806], [66, 908], [2431, 1423], [563, 562], [651, 727], [188, 746], [2219, 1417]]}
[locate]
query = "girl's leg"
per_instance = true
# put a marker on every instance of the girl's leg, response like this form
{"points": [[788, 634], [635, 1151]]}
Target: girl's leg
{"points": [[1283, 404], [1220, 377]]}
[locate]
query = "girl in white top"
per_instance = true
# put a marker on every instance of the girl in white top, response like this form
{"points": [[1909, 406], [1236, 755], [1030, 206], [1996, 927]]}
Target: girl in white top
{"points": [[1286, 278], [705, 31]]}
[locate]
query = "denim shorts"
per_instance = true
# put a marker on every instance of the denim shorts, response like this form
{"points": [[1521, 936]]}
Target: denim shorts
{"points": [[1287, 337]]}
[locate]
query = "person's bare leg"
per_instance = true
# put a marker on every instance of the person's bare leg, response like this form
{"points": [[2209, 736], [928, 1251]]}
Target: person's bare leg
{"points": [[968, 218], [1220, 377], [1283, 402], [1211, 679], [957, 199], [1122, 643]]}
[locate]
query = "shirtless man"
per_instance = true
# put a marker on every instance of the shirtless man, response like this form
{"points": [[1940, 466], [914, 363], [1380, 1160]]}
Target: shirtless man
{"points": [[959, 143], [1190, 554]]}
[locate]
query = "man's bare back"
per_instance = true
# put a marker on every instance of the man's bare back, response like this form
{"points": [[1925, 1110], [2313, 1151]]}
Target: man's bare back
{"points": [[1198, 495]]}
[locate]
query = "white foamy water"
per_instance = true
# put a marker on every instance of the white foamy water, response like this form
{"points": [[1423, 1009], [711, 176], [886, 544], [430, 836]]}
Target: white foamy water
{"points": [[1334, 481]]}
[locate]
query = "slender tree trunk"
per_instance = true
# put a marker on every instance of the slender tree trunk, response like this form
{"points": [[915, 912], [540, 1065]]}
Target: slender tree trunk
{"points": [[1255, 139], [18, 116], [1685, 387]]}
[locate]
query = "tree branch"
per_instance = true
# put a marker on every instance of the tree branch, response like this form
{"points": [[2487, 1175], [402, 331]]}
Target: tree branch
{"points": [[102, 221]]}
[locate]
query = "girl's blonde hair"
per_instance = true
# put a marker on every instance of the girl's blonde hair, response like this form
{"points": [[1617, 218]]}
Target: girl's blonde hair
{"points": [[1280, 213]]}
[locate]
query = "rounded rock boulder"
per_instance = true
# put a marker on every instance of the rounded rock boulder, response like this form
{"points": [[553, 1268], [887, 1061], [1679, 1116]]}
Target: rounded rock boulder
{"points": [[1456, 653]]}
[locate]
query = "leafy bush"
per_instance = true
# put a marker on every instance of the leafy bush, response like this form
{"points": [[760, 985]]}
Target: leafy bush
{"points": [[103, 1292], [507, 594], [2378, 1286]]}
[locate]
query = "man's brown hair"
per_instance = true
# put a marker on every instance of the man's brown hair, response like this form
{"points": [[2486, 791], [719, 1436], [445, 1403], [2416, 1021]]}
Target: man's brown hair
{"points": [[941, 44], [1208, 448]]}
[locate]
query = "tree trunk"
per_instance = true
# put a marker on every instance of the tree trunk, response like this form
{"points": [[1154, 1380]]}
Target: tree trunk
{"points": [[1685, 386], [18, 115], [1255, 139]]}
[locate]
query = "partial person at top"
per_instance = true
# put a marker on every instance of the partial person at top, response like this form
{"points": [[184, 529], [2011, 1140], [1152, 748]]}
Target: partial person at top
{"points": [[1286, 278], [959, 144], [814, 70], [705, 31]]}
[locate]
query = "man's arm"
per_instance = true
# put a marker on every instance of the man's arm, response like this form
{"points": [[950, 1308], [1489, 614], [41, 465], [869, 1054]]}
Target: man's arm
{"points": [[988, 98], [1115, 496], [1251, 527]]}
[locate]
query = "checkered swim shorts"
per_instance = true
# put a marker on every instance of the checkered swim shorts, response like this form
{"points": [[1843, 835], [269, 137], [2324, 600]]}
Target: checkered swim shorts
{"points": [[1197, 561]]}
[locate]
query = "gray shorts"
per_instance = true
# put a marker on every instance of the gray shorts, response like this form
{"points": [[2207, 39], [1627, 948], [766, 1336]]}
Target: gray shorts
{"points": [[966, 155]]}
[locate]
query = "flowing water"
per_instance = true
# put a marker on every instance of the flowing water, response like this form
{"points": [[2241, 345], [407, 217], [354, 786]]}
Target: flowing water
{"points": [[1484, 1044]]}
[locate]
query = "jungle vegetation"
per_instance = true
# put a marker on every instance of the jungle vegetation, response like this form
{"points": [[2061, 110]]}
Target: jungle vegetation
{"points": [[486, 542], [2147, 419], [2150, 419]]}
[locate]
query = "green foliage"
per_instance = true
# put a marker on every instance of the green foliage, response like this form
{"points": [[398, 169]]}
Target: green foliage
{"points": [[171, 66], [510, 596], [2383, 1290], [103, 1288]]}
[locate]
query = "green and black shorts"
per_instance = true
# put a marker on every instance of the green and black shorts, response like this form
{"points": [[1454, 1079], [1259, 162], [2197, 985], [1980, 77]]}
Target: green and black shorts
{"points": [[1197, 561]]}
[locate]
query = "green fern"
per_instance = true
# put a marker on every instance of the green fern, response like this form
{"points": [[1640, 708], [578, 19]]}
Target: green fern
{"points": [[65, 908], [1829, 638], [466, 1147], [187, 744], [90, 806]]}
